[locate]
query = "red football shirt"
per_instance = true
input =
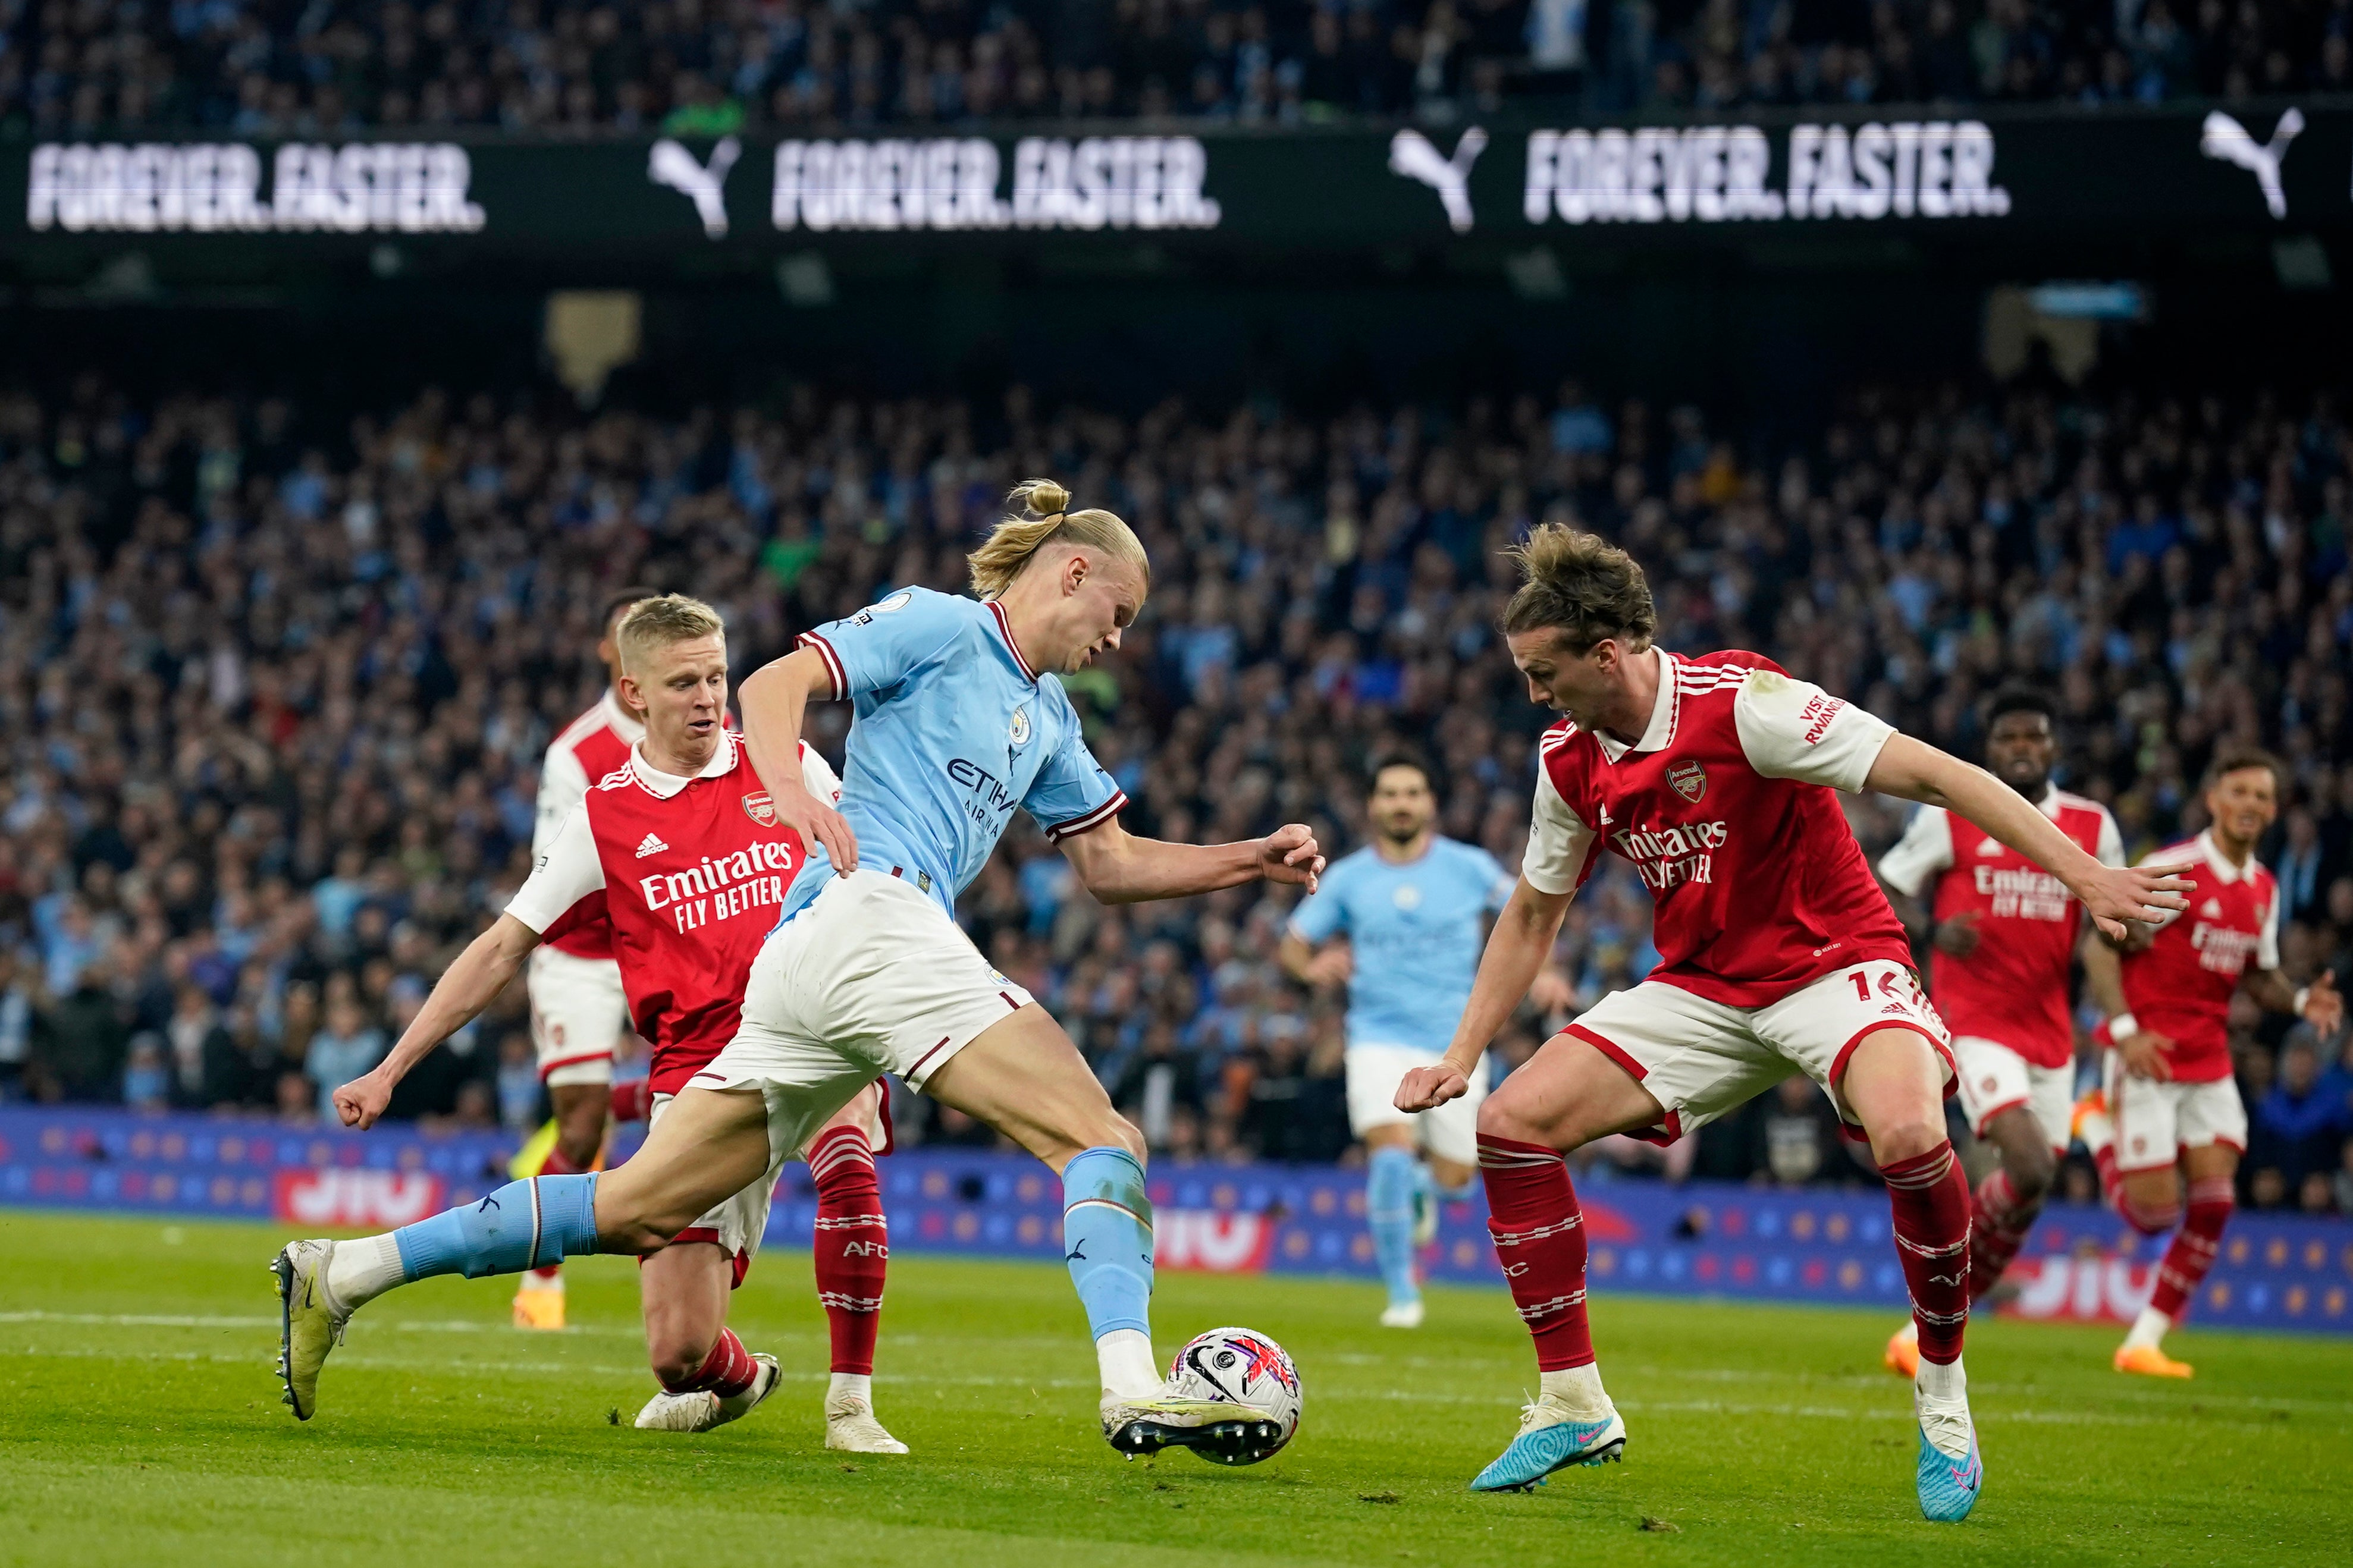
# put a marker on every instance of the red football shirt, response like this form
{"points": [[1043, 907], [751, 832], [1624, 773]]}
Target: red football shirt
{"points": [[691, 875], [2180, 984], [2013, 989], [591, 747], [1726, 807]]}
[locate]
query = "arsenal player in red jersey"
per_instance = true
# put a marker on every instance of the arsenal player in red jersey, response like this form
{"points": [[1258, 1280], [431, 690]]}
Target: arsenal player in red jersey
{"points": [[1779, 953], [680, 850], [577, 1009], [2167, 1113], [2004, 933]]}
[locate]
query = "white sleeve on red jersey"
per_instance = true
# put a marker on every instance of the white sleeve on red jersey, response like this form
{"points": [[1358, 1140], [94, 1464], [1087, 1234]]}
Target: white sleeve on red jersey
{"points": [[2111, 850], [1794, 729], [1559, 843], [568, 870], [817, 776], [1926, 849], [2267, 944], [563, 784]]}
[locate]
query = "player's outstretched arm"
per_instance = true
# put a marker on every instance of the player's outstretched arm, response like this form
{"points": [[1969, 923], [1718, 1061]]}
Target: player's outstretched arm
{"points": [[1120, 868], [465, 988], [2318, 1004], [1912, 769], [772, 700], [1517, 949]]}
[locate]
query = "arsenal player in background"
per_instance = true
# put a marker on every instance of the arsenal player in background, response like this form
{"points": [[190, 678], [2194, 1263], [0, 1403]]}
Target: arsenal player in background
{"points": [[1777, 954], [2167, 1113], [2003, 934], [680, 851], [578, 1010]]}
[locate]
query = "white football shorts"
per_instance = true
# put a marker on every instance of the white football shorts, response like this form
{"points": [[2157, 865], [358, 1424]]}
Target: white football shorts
{"points": [[1449, 1130], [1700, 1059], [870, 977], [2155, 1121], [578, 1012], [1995, 1079]]}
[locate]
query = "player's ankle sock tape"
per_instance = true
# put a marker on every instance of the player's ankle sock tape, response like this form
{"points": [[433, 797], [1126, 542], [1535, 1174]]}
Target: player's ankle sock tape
{"points": [[1392, 1177], [1107, 1238], [524, 1225]]}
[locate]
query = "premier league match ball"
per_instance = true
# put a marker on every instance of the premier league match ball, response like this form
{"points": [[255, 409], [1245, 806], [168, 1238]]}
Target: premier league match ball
{"points": [[1241, 1367]]}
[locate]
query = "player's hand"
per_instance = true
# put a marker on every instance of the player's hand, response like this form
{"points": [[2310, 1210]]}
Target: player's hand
{"points": [[1957, 936], [2144, 1053], [1431, 1086], [1332, 966], [2323, 1008], [362, 1100], [2115, 895], [1289, 855], [1552, 992], [817, 823]]}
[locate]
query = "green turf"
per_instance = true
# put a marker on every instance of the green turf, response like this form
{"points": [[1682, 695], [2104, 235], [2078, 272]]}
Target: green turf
{"points": [[139, 1423]]}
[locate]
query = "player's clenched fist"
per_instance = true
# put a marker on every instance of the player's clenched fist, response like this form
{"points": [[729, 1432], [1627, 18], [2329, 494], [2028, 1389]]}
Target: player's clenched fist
{"points": [[1431, 1086], [362, 1100], [1289, 855]]}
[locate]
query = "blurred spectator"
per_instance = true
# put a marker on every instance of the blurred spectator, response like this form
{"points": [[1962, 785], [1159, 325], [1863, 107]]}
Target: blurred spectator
{"points": [[207, 1069], [2298, 1128], [341, 1051], [81, 1041], [17, 1022]]}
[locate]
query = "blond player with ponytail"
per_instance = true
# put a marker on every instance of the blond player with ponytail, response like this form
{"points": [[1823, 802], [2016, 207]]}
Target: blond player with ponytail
{"points": [[956, 723]]}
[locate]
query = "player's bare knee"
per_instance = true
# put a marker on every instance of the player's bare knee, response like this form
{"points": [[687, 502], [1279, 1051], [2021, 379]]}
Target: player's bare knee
{"points": [[675, 1358], [1895, 1139], [1499, 1118]]}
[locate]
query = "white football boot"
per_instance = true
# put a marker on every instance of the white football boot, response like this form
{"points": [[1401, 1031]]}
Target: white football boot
{"points": [[309, 1325], [850, 1426], [702, 1410]]}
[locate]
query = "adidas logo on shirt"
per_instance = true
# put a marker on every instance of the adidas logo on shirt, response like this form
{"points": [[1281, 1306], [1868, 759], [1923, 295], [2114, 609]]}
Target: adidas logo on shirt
{"points": [[652, 845], [1989, 847], [2211, 908]]}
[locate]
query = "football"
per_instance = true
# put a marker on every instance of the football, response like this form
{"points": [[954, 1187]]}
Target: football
{"points": [[1243, 1367]]}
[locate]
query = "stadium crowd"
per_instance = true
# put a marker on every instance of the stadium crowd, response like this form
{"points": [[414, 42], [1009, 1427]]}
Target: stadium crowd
{"points": [[313, 67], [275, 683]]}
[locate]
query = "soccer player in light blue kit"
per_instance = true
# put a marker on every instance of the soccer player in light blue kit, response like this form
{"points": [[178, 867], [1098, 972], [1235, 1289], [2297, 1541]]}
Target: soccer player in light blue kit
{"points": [[868, 971], [1402, 922]]}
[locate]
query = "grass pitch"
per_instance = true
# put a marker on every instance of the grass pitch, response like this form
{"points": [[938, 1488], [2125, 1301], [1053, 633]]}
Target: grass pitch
{"points": [[140, 1424]]}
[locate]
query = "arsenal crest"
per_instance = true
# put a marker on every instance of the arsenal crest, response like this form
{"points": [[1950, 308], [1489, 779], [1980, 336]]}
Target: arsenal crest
{"points": [[762, 810], [1690, 780]]}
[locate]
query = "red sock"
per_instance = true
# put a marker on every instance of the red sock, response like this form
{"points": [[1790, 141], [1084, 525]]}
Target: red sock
{"points": [[1930, 1201], [632, 1101], [853, 1245], [1540, 1240], [1998, 1227], [2194, 1246], [726, 1371]]}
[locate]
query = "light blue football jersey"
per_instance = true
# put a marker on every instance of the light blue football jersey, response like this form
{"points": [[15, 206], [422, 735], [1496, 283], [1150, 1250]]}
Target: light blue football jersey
{"points": [[951, 730], [1416, 932]]}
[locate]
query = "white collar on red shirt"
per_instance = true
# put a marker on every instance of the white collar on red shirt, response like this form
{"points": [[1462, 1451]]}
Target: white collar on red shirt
{"points": [[1661, 728], [2220, 862], [625, 723], [658, 782]]}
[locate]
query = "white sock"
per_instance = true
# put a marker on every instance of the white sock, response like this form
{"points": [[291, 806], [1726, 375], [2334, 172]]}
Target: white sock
{"points": [[1129, 1370], [1579, 1390], [844, 1385], [2099, 1132], [2148, 1329], [361, 1271]]}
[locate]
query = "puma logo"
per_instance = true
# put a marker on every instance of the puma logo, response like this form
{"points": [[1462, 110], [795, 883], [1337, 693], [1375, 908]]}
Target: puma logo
{"points": [[706, 187], [1412, 155], [2225, 138]]}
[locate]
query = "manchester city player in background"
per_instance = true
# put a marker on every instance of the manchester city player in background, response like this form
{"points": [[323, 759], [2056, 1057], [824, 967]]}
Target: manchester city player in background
{"points": [[1401, 923]]}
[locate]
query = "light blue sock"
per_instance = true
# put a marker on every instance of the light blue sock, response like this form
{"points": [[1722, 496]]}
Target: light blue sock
{"points": [[523, 1225], [1107, 1240], [1391, 1177]]}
